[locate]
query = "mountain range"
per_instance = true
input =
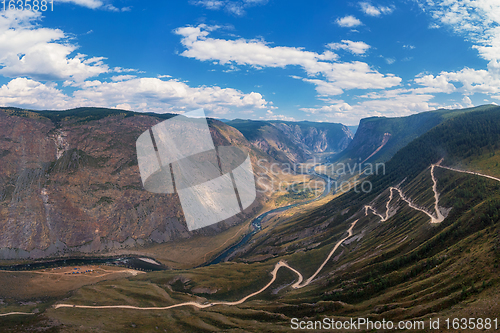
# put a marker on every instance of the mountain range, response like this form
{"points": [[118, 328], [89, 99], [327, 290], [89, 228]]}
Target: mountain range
{"points": [[70, 182], [423, 243]]}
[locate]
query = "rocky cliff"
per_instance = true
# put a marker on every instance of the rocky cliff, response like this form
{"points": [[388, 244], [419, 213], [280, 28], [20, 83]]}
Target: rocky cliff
{"points": [[294, 141], [377, 139], [70, 181]]}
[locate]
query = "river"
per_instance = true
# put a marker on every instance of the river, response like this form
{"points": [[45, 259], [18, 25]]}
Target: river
{"points": [[129, 262], [256, 223]]}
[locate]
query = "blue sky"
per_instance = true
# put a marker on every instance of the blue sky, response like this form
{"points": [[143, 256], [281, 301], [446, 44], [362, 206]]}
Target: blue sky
{"points": [[335, 61]]}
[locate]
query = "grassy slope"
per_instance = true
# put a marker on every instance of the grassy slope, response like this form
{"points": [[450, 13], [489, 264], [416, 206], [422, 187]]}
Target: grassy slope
{"points": [[403, 268]]}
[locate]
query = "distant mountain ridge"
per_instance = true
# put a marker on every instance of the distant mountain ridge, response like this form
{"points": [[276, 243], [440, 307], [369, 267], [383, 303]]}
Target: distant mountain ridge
{"points": [[378, 138], [294, 141]]}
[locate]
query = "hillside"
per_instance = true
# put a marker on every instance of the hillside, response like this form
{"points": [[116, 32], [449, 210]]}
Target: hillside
{"points": [[69, 182], [398, 265], [294, 141], [378, 138], [424, 243]]}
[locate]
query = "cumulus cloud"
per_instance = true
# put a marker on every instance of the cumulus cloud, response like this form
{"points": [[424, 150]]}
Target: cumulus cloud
{"points": [[395, 102], [470, 80], [155, 94], [348, 21], [333, 109], [139, 94], [467, 102], [41, 53], [257, 53], [271, 116], [24, 92], [371, 10], [434, 84], [478, 22], [358, 48], [352, 75]]}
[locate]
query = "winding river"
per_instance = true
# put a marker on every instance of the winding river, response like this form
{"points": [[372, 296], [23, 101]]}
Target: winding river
{"points": [[256, 223]]}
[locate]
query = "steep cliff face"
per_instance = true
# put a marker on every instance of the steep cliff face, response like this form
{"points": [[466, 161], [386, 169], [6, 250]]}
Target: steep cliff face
{"points": [[72, 182], [317, 137], [378, 138], [294, 141]]}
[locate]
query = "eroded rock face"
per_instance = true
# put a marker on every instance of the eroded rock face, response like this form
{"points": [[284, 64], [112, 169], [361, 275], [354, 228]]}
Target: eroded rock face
{"points": [[75, 185], [312, 138]]}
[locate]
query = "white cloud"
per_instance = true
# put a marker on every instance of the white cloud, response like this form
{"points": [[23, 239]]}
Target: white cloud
{"points": [[271, 116], [467, 102], [247, 52], [210, 4], [371, 10], [24, 92], [409, 46], [123, 70], [92, 4], [41, 53], [325, 88], [353, 47], [348, 22], [257, 53], [434, 84], [155, 94], [395, 103], [470, 80], [352, 75], [139, 94], [390, 61], [122, 77], [235, 7], [477, 20], [332, 110]]}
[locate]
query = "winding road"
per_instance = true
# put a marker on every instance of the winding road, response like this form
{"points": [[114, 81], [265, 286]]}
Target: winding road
{"points": [[15, 313], [437, 218], [274, 272]]}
